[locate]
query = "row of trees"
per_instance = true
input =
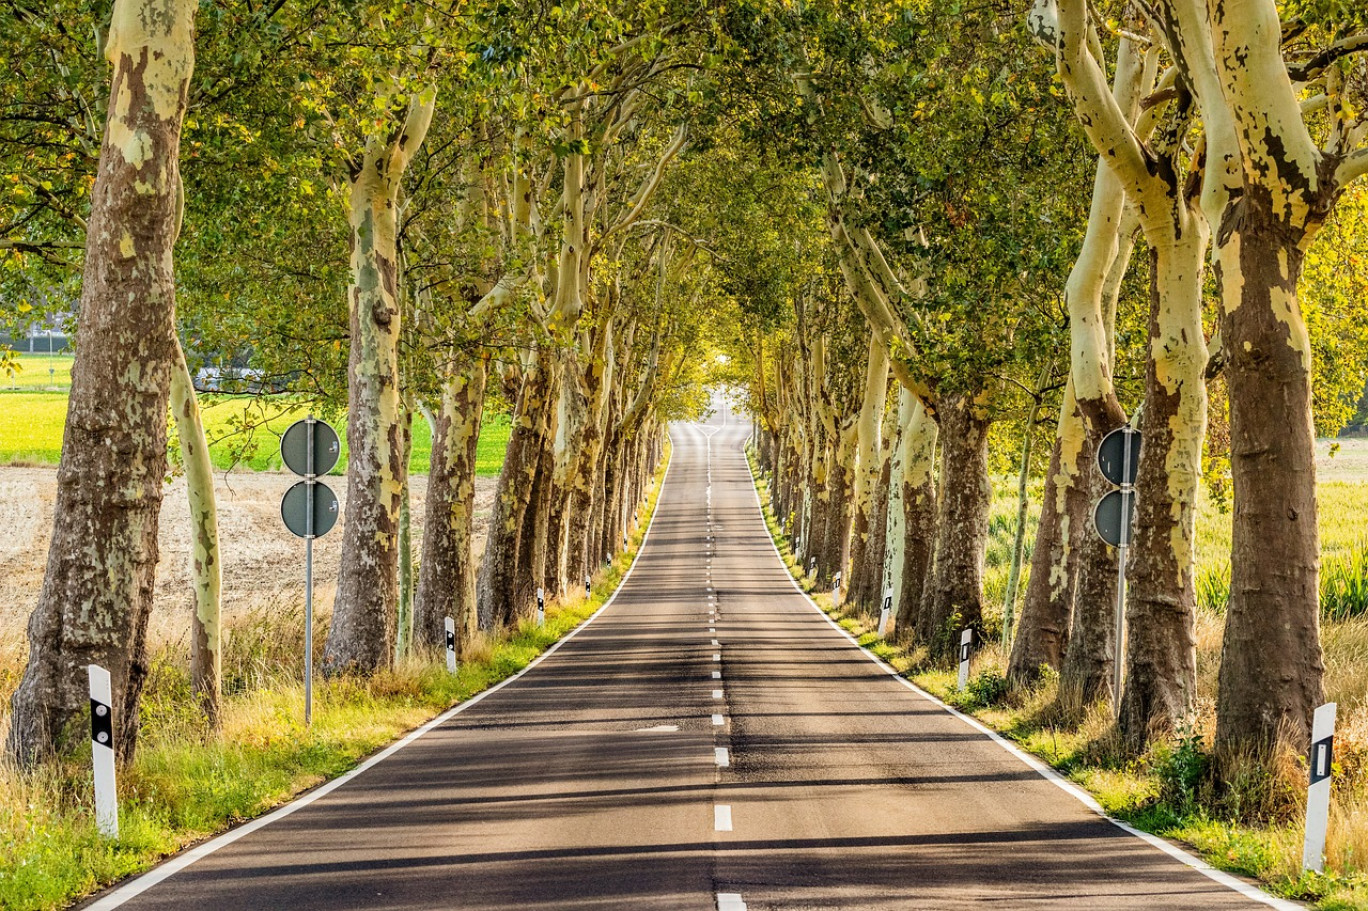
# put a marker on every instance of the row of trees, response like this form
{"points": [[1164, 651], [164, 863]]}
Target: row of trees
{"points": [[909, 228], [399, 212], [953, 186]]}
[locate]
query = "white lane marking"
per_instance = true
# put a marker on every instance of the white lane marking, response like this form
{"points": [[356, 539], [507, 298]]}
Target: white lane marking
{"points": [[133, 888], [717, 675], [712, 629], [714, 642], [717, 694], [720, 754], [717, 657], [660, 728], [1251, 892], [730, 901], [717, 719], [722, 820]]}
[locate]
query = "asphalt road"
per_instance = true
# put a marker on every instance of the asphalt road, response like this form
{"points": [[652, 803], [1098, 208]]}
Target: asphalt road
{"points": [[709, 740]]}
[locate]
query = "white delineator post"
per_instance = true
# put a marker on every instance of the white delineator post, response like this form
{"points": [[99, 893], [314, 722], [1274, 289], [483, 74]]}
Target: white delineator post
{"points": [[966, 645], [836, 590], [885, 613], [541, 607], [102, 751], [1321, 760], [451, 644]]}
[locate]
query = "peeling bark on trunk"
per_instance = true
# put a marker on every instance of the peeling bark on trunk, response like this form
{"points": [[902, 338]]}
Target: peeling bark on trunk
{"points": [[97, 590], [206, 566], [918, 481], [865, 574], [496, 590], [1043, 632], [1161, 649], [962, 525], [446, 574], [1090, 658], [1271, 662], [836, 533], [365, 609]]}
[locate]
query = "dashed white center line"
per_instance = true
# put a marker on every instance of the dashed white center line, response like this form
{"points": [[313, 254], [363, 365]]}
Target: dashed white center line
{"points": [[723, 760], [722, 820], [717, 657], [717, 675], [717, 719], [730, 901], [717, 694], [714, 642]]}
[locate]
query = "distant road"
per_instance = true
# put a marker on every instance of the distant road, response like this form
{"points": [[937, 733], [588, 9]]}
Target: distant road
{"points": [[709, 741]]}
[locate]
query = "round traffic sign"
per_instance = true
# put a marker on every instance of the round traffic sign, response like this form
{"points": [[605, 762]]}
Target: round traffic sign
{"points": [[1118, 457], [294, 447], [1113, 515], [294, 509]]}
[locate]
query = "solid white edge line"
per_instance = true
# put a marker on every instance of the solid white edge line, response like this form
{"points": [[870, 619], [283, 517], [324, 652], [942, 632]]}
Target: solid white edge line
{"points": [[1046, 771], [173, 865]]}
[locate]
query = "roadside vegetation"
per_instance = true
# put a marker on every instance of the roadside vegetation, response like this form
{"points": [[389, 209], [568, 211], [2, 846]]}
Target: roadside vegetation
{"points": [[188, 782], [1166, 789]]}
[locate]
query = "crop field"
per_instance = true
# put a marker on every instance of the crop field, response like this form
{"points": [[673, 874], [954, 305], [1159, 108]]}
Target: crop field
{"points": [[244, 431]]}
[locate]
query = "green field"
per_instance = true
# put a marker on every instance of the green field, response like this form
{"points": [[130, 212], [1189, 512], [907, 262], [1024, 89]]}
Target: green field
{"points": [[38, 371], [243, 431]]}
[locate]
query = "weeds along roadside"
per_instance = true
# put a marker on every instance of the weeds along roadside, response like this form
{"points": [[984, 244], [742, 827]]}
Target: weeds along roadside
{"points": [[1254, 828], [186, 784]]}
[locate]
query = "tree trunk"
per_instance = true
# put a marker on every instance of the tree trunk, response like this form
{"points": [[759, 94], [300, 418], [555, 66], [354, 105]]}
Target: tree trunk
{"points": [[206, 566], [102, 558], [362, 634], [446, 574], [836, 533], [1271, 677], [495, 595], [917, 480], [864, 574], [1089, 661], [1044, 628], [1023, 506], [1161, 649], [403, 639], [962, 526]]}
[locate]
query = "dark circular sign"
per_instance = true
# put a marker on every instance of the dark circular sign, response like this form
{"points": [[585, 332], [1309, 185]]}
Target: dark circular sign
{"points": [[1120, 450], [294, 447], [294, 509], [1113, 516]]}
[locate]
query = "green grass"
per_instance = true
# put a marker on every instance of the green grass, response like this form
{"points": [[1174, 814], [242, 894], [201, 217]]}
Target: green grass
{"points": [[187, 784], [242, 430], [38, 371]]}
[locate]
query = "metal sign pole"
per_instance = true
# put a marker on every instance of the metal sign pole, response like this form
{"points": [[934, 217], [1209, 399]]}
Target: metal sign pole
{"points": [[310, 479], [1119, 648]]}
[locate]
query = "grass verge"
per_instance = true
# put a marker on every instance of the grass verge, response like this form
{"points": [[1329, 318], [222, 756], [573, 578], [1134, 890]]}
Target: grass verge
{"points": [[186, 785], [1164, 790]]}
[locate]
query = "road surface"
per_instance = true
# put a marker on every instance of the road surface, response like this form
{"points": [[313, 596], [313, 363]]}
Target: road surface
{"points": [[708, 741]]}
